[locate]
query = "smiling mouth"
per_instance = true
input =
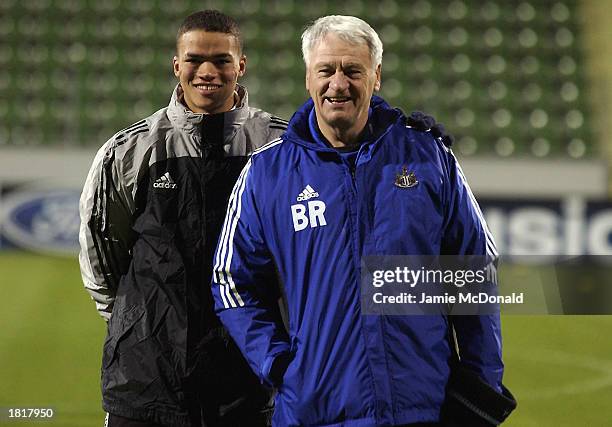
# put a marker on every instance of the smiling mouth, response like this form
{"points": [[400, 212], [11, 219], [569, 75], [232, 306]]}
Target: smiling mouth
{"points": [[207, 87], [337, 100]]}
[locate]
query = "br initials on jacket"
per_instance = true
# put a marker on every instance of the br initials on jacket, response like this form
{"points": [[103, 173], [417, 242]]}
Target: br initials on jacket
{"points": [[315, 209]]}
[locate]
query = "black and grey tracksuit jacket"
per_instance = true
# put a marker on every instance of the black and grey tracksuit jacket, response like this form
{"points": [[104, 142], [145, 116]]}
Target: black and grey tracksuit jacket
{"points": [[151, 212]]}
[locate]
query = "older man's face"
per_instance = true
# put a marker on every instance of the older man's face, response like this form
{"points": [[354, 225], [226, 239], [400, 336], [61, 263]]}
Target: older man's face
{"points": [[341, 78]]}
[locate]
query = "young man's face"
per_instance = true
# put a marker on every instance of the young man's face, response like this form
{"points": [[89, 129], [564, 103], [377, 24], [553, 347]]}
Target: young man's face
{"points": [[208, 66], [341, 79]]}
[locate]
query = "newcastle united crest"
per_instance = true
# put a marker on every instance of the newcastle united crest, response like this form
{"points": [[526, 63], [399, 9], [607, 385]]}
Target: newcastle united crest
{"points": [[405, 179]]}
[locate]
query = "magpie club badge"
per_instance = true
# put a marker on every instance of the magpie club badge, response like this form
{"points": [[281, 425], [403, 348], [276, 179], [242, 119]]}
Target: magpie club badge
{"points": [[405, 179]]}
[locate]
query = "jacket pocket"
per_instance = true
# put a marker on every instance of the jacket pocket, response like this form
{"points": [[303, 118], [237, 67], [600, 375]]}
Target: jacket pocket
{"points": [[290, 375]]}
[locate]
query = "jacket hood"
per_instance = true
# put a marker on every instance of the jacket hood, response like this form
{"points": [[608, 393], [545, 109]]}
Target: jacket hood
{"points": [[185, 119], [381, 117]]}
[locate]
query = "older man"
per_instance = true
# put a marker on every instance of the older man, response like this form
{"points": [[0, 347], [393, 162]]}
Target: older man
{"points": [[310, 205]]}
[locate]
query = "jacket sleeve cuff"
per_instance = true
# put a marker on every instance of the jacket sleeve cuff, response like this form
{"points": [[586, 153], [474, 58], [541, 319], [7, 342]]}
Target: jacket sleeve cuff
{"points": [[491, 376], [274, 368]]}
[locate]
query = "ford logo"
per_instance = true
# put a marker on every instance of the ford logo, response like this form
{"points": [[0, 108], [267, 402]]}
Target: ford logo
{"points": [[42, 220]]}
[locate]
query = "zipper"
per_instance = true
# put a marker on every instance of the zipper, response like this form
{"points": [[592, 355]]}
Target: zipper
{"points": [[361, 239], [353, 219], [352, 167]]}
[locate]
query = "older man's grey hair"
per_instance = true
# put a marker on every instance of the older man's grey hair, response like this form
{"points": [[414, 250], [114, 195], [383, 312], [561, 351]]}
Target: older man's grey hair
{"points": [[348, 28]]}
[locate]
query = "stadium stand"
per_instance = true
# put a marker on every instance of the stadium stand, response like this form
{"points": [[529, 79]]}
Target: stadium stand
{"points": [[504, 76]]}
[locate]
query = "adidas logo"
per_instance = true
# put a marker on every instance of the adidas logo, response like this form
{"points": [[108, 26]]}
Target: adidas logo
{"points": [[165, 181], [306, 194]]}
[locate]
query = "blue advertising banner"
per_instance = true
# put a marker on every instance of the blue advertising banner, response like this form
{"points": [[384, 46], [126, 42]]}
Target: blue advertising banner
{"points": [[569, 227], [46, 219], [40, 218]]}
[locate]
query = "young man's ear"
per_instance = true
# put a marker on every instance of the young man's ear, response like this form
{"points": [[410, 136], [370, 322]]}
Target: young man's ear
{"points": [[175, 66], [242, 65]]}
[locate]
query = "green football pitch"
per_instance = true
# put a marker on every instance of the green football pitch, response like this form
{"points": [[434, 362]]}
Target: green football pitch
{"points": [[559, 367]]}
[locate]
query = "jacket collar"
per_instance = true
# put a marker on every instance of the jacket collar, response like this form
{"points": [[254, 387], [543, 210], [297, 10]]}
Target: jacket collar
{"points": [[301, 130], [185, 119]]}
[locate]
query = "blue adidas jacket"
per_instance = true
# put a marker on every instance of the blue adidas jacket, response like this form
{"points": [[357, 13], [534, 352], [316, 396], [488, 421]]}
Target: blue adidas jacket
{"points": [[301, 211]]}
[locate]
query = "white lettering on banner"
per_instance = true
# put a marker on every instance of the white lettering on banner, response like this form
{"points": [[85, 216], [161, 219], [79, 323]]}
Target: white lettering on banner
{"points": [[315, 218], [535, 230], [599, 234], [574, 225]]}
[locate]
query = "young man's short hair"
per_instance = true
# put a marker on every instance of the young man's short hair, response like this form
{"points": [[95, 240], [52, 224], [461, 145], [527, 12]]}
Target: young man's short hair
{"points": [[212, 21]]}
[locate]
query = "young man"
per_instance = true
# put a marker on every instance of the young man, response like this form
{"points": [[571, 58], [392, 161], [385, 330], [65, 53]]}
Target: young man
{"points": [[151, 212], [309, 206]]}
